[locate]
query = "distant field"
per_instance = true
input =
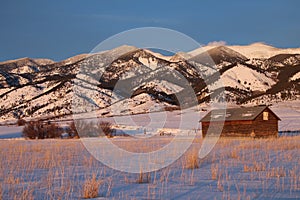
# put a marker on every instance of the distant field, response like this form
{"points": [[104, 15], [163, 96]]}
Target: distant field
{"points": [[289, 113], [235, 169]]}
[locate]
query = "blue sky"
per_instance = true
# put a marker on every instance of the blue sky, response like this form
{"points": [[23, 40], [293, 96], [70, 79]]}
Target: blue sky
{"points": [[58, 29]]}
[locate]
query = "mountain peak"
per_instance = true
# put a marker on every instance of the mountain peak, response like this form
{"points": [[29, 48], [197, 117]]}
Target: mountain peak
{"points": [[262, 50], [31, 89], [260, 44], [25, 59], [123, 49], [218, 55]]}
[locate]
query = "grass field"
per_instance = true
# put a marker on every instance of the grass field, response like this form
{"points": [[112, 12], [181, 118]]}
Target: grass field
{"points": [[237, 168]]}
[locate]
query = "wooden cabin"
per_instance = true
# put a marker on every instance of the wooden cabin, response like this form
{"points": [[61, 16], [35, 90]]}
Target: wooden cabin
{"points": [[258, 121]]}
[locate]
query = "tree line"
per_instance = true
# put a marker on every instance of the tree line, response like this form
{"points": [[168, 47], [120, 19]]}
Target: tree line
{"points": [[43, 130]]}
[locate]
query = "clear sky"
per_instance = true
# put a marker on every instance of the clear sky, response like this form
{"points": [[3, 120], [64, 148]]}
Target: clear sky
{"points": [[58, 29]]}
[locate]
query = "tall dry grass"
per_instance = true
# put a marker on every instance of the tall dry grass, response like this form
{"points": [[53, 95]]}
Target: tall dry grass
{"points": [[91, 187], [1, 191], [56, 169], [191, 159]]}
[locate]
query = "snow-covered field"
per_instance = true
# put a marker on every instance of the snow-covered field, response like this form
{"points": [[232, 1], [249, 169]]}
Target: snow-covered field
{"points": [[234, 169], [288, 111], [7, 132]]}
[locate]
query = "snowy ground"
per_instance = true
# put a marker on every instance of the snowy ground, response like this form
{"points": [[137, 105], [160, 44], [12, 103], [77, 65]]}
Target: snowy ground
{"points": [[234, 169], [289, 113], [10, 132]]}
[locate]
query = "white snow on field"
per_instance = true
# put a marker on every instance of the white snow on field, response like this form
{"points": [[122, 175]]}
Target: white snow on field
{"points": [[132, 119], [234, 169], [243, 77], [289, 113], [7, 132]]}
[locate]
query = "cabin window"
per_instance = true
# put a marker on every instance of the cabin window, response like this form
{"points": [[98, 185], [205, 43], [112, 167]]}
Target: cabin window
{"points": [[265, 116]]}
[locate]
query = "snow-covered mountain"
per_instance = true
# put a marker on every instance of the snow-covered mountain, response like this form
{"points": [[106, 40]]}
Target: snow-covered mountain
{"points": [[128, 80], [256, 50]]}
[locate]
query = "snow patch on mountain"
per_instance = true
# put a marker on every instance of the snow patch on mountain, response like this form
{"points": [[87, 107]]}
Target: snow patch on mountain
{"points": [[142, 103], [245, 78], [255, 50], [158, 55], [295, 77], [163, 86], [149, 62], [261, 50]]}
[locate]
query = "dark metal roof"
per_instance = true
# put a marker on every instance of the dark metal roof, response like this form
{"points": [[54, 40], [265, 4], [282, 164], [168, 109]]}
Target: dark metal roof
{"points": [[236, 114]]}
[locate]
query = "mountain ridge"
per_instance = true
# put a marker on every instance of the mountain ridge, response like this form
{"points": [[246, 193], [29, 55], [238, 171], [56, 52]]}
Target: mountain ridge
{"points": [[129, 80]]}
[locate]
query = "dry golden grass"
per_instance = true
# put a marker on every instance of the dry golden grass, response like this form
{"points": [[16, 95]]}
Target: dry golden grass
{"points": [[266, 161], [25, 195], [276, 172], [143, 177], [234, 153], [91, 187], [11, 179], [269, 160], [1, 191], [191, 160], [142, 145], [255, 167], [214, 171], [21, 159]]}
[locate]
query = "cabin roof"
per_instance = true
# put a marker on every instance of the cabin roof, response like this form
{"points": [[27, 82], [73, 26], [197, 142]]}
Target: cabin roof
{"points": [[236, 114]]}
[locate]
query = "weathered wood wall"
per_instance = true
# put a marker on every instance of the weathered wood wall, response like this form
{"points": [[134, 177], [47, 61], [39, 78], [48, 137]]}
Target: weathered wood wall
{"points": [[266, 128], [255, 128]]}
